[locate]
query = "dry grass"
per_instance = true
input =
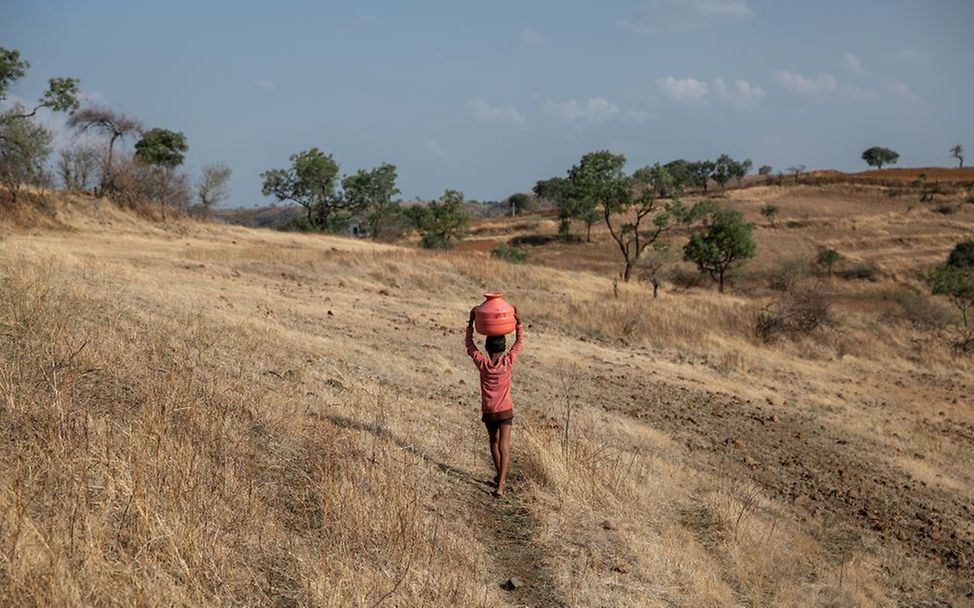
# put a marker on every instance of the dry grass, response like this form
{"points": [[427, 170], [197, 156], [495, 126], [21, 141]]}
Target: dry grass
{"points": [[195, 414]]}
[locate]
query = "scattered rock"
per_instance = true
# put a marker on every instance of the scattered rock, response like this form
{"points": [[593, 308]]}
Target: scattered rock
{"points": [[383, 292], [608, 525], [621, 568], [331, 314], [512, 583]]}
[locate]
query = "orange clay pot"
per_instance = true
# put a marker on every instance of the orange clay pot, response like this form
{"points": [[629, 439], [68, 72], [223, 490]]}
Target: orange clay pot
{"points": [[494, 317]]}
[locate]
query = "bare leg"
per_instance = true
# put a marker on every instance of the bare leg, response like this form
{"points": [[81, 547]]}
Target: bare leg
{"points": [[495, 452], [505, 457]]}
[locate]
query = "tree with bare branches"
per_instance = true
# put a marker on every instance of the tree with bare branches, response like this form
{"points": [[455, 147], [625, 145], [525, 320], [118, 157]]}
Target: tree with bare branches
{"points": [[110, 123], [958, 152]]}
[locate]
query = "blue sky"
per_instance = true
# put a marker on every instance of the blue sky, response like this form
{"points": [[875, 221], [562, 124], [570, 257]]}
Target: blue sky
{"points": [[489, 97]]}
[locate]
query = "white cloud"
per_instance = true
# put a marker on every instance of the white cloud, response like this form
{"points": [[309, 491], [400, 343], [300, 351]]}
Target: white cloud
{"points": [[853, 65], [530, 38], [675, 15], [485, 112], [596, 109], [802, 85], [899, 89], [265, 85], [683, 89], [743, 95], [912, 56]]}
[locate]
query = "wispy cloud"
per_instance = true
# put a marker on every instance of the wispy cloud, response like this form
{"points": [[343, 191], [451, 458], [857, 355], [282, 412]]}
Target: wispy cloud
{"points": [[826, 85], [899, 89], [804, 85], [487, 113], [530, 38], [683, 89], [853, 65], [596, 109], [265, 85], [743, 95], [676, 15]]}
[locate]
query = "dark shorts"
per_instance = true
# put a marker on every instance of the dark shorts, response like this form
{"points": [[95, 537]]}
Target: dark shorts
{"points": [[493, 420]]}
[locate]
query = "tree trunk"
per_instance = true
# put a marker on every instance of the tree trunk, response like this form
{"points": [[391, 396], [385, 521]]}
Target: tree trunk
{"points": [[720, 282], [627, 272], [588, 232], [655, 287]]}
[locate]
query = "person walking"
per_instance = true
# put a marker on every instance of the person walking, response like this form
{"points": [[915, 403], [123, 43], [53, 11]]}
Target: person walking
{"points": [[496, 406]]}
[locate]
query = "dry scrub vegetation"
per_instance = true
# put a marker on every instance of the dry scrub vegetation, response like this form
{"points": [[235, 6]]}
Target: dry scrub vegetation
{"points": [[193, 414]]}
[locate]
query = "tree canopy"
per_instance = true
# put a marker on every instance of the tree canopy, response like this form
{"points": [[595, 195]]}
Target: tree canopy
{"points": [[161, 148], [877, 156], [372, 191], [61, 94], [311, 182], [725, 243]]}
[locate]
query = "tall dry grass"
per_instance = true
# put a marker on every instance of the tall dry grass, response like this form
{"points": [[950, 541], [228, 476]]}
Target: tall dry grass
{"points": [[147, 462], [207, 415]]}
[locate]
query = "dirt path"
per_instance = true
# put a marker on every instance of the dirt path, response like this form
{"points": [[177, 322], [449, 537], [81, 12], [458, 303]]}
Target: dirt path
{"points": [[504, 525]]}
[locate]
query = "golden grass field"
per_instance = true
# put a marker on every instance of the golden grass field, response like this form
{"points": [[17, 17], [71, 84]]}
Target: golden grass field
{"points": [[194, 414]]}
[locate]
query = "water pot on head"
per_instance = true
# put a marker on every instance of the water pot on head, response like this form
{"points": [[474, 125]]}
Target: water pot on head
{"points": [[494, 317]]}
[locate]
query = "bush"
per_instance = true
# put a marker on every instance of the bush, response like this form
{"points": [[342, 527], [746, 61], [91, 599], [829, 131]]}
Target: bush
{"points": [[800, 311], [861, 271], [511, 254], [787, 274], [917, 309]]}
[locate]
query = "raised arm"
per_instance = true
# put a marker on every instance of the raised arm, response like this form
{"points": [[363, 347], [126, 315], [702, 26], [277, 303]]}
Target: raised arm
{"points": [[518, 338], [472, 350]]}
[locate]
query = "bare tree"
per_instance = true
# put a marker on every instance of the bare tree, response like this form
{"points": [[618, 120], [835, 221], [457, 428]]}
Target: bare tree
{"points": [[78, 166], [107, 122], [212, 187], [797, 170], [958, 153]]}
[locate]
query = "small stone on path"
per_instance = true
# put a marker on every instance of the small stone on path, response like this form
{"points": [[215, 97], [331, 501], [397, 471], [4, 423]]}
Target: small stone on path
{"points": [[512, 583]]}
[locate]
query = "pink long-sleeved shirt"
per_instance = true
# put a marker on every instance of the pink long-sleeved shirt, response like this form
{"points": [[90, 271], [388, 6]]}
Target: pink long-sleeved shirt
{"points": [[495, 380]]}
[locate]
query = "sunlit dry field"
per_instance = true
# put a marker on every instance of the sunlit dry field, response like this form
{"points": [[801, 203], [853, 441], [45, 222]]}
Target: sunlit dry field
{"points": [[194, 414]]}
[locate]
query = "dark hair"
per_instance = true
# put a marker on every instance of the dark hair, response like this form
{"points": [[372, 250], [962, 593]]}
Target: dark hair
{"points": [[495, 344]]}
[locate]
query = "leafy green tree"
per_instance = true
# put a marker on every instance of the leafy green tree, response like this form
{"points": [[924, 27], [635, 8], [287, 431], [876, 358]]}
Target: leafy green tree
{"points": [[163, 150], [443, 222], [61, 94], [828, 258], [372, 191], [552, 190], [739, 170], [724, 244], [955, 279], [521, 203], [958, 152], [701, 172], [962, 255], [681, 172], [311, 181], [724, 169], [213, 186], [770, 211], [765, 170], [25, 146], [878, 156]]}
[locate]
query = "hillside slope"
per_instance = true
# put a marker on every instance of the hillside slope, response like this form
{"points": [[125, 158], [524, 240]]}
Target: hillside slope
{"points": [[196, 414]]}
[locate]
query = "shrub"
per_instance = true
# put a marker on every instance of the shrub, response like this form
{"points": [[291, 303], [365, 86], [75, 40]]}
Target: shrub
{"points": [[800, 311], [511, 254], [788, 273], [917, 309], [865, 270], [827, 258]]}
